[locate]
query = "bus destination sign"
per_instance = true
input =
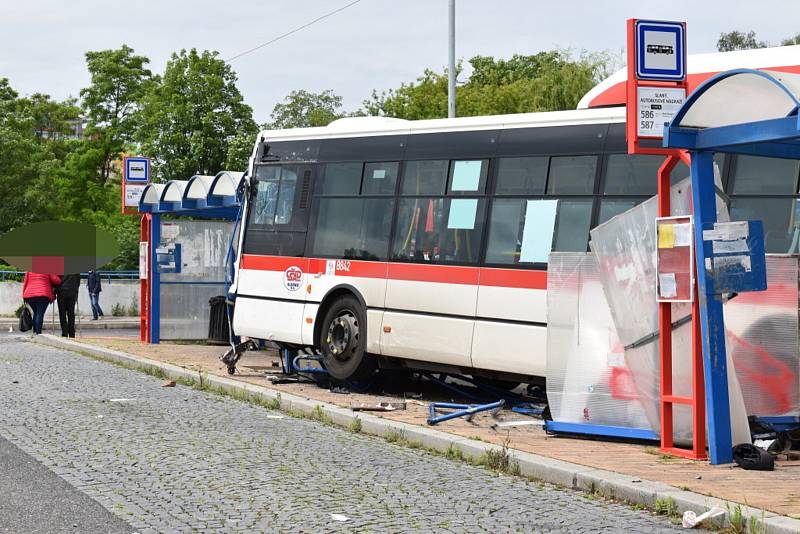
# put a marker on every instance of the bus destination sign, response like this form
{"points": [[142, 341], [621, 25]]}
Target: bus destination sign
{"points": [[656, 106]]}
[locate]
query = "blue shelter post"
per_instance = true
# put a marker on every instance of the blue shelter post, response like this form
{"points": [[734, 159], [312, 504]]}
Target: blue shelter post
{"points": [[712, 324], [719, 117], [155, 280]]}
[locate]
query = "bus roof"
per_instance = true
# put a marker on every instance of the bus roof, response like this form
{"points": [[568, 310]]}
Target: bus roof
{"points": [[372, 126], [611, 91]]}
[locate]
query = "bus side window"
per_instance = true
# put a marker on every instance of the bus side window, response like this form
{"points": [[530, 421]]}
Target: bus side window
{"points": [[273, 200], [266, 195], [521, 230], [524, 231], [439, 230]]}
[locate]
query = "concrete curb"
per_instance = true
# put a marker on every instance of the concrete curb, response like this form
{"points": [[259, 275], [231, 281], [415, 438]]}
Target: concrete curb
{"points": [[565, 474]]}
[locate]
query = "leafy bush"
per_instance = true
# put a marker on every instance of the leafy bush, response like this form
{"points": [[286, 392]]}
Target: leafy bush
{"points": [[133, 308], [6, 276], [118, 310]]}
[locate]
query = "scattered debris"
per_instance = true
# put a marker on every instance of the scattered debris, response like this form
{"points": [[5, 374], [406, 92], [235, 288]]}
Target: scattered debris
{"points": [[461, 410], [764, 443], [412, 395], [528, 422], [342, 390], [281, 379], [121, 400], [636, 480], [528, 408], [749, 456], [379, 407], [274, 417], [699, 477], [691, 520], [15, 381], [168, 384], [339, 517]]}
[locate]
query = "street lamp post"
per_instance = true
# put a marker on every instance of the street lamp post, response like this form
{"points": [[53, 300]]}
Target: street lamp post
{"points": [[451, 68]]}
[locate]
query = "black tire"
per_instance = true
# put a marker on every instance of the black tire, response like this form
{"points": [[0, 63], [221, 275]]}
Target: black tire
{"points": [[343, 340]]}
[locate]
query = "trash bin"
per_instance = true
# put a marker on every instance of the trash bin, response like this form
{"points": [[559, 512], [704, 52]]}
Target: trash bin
{"points": [[218, 333]]}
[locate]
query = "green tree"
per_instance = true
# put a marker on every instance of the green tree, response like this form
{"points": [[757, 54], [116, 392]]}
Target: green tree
{"points": [[119, 82], [191, 116], [791, 41], [240, 149], [33, 144], [542, 82], [736, 40], [302, 109]]}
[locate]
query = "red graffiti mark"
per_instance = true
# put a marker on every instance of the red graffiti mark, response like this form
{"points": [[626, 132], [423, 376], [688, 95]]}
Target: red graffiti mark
{"points": [[620, 382], [777, 383]]}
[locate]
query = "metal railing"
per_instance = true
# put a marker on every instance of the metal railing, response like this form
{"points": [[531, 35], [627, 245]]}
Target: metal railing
{"points": [[16, 276]]}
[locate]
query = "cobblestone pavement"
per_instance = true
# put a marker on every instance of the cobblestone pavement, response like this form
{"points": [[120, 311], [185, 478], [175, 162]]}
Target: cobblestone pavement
{"points": [[180, 460]]}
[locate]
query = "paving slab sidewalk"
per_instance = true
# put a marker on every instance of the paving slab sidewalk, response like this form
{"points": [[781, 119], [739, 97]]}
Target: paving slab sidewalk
{"points": [[633, 472]]}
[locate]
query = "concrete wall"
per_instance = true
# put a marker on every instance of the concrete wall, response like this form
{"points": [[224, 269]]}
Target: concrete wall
{"points": [[122, 292]]}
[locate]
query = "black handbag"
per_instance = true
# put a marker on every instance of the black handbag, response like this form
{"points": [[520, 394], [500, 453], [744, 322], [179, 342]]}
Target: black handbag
{"points": [[25, 319]]}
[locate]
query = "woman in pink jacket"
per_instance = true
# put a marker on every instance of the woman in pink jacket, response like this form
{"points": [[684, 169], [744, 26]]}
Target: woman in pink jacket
{"points": [[37, 291]]}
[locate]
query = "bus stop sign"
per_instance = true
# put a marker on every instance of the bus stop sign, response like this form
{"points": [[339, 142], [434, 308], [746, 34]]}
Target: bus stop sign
{"points": [[660, 51]]}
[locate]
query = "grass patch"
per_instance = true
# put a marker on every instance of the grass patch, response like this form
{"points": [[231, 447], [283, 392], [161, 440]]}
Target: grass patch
{"points": [[319, 415], [501, 460], [355, 426], [667, 507]]}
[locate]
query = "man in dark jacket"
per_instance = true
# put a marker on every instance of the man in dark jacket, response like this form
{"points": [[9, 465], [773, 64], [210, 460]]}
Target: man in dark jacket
{"points": [[67, 298], [93, 283]]}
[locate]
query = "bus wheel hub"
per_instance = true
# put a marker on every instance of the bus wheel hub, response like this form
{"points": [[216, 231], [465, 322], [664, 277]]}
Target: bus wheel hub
{"points": [[342, 336]]}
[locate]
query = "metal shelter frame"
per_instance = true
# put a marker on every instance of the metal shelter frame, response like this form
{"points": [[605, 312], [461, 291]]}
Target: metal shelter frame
{"points": [[742, 111], [206, 197]]}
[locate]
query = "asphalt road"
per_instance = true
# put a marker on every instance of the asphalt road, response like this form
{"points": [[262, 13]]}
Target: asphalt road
{"points": [[33, 499], [180, 460]]}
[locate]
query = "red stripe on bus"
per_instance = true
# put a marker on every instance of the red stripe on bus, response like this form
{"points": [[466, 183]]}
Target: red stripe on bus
{"points": [[513, 278], [445, 274], [272, 263], [363, 269], [415, 272]]}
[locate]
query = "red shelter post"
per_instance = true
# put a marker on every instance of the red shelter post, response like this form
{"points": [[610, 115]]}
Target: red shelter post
{"points": [[656, 87]]}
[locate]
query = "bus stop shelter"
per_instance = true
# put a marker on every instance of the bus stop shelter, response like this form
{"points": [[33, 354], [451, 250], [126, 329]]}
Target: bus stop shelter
{"points": [[741, 111], [185, 244]]}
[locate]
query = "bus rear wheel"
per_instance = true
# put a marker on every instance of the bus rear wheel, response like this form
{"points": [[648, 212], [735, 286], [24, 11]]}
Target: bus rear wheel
{"points": [[343, 340]]}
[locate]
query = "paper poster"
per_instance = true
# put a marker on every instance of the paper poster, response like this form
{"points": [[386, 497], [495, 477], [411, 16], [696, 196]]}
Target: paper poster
{"points": [[170, 230], [466, 175], [666, 236], [723, 247], [726, 262], [667, 286], [462, 214], [727, 231], [537, 235], [682, 234], [379, 174]]}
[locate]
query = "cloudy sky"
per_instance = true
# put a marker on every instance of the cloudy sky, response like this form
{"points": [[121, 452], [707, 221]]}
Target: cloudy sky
{"points": [[375, 44]]}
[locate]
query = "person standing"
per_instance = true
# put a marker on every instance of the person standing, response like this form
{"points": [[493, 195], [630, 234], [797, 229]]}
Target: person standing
{"points": [[67, 297], [37, 291], [93, 283]]}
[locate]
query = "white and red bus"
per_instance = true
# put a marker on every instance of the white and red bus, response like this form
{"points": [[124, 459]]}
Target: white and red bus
{"points": [[384, 242], [424, 243]]}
